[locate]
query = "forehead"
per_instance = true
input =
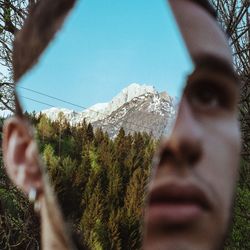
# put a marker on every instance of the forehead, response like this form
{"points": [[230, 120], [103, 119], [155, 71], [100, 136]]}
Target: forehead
{"points": [[200, 30]]}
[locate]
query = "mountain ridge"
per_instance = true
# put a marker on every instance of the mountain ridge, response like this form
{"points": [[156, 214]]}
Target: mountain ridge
{"points": [[136, 108]]}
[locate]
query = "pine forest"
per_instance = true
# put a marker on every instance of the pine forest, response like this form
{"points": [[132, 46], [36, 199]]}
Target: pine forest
{"points": [[101, 187]]}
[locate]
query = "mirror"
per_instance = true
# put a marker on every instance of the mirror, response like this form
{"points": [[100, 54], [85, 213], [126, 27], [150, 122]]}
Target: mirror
{"points": [[120, 67], [113, 65]]}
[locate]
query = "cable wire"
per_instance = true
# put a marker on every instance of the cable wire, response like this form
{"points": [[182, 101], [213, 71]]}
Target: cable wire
{"points": [[76, 105], [113, 125]]}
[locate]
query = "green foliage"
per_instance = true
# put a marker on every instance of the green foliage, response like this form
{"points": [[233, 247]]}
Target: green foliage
{"points": [[19, 227], [100, 184], [241, 226], [44, 128], [240, 231]]}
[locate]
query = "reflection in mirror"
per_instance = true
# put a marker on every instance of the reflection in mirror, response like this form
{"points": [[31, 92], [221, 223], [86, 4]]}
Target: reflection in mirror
{"points": [[113, 68], [120, 67]]}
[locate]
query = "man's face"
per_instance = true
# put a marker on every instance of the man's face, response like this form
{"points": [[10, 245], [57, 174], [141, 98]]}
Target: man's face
{"points": [[192, 188]]}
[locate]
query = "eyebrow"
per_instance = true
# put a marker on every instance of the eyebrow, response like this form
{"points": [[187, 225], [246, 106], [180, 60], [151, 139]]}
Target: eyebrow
{"points": [[215, 64], [207, 6]]}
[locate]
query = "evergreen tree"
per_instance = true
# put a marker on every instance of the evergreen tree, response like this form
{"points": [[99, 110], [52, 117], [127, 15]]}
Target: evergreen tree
{"points": [[44, 128], [90, 133], [92, 220], [114, 234], [134, 204]]}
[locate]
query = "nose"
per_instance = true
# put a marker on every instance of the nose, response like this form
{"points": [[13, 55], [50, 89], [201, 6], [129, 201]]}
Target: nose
{"points": [[184, 146]]}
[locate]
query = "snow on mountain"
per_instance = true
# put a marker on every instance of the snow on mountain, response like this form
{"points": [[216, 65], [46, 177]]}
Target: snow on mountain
{"points": [[95, 112], [99, 106], [54, 113], [128, 93], [150, 112], [136, 108], [101, 110]]}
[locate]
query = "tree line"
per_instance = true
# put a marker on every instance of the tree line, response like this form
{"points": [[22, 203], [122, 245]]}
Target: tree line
{"points": [[100, 183], [101, 187]]}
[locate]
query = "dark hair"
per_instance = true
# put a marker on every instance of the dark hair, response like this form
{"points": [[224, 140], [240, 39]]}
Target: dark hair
{"points": [[207, 6]]}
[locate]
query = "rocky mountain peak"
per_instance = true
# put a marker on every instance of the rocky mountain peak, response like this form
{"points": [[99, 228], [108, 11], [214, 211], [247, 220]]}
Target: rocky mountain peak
{"points": [[137, 108]]}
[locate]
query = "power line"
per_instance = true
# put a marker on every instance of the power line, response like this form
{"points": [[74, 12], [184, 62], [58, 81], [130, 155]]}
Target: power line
{"points": [[47, 104], [31, 99], [36, 101], [76, 105], [52, 97]]}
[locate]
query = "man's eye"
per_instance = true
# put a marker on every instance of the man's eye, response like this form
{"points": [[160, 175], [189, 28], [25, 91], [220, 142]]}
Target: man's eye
{"points": [[206, 97], [211, 94]]}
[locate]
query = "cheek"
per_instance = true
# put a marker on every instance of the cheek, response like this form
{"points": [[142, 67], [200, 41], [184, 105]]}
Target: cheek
{"points": [[221, 159]]}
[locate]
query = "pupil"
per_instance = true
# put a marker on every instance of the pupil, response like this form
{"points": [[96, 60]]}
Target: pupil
{"points": [[208, 97]]}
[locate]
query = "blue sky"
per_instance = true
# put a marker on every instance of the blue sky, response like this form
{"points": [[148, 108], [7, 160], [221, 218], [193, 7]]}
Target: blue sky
{"points": [[103, 47]]}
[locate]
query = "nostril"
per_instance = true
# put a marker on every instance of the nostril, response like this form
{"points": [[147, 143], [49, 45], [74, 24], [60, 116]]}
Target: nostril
{"points": [[193, 158], [166, 156], [186, 152], [190, 152]]}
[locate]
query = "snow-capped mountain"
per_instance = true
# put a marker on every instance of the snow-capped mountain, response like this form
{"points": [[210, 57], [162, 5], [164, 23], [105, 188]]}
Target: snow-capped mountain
{"points": [[149, 112], [101, 110], [135, 108]]}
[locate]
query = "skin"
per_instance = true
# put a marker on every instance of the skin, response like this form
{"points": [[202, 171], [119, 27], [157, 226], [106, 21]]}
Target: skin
{"points": [[202, 151], [204, 146]]}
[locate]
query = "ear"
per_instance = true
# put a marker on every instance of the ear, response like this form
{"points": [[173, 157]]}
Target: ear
{"points": [[20, 155]]}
